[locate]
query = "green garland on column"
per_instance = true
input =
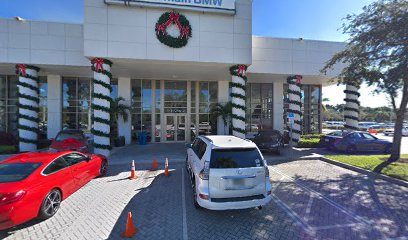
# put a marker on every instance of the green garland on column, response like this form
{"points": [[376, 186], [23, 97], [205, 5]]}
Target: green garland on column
{"points": [[350, 109], [97, 66], [295, 80], [238, 70], [21, 72]]}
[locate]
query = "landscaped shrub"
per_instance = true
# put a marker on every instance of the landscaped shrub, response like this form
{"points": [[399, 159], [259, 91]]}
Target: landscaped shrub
{"points": [[311, 136], [309, 143], [8, 149]]}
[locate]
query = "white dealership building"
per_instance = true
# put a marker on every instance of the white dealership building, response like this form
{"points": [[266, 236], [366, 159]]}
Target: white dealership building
{"points": [[172, 62]]}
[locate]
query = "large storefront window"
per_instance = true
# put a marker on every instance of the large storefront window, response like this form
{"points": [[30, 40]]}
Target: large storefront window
{"points": [[311, 102], [8, 105], [183, 102], [142, 101], [259, 113], [76, 108]]}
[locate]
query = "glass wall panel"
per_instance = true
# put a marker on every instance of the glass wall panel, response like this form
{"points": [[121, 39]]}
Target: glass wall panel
{"points": [[311, 102], [3, 105], [207, 99], [259, 113], [142, 100], [175, 97], [76, 106]]}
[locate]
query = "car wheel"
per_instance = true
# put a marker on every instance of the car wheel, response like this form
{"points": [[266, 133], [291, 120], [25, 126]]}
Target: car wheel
{"points": [[196, 205], [50, 204], [103, 169], [351, 149], [387, 149]]}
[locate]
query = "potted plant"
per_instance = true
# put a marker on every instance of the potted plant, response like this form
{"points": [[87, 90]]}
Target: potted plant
{"points": [[225, 112], [118, 109]]}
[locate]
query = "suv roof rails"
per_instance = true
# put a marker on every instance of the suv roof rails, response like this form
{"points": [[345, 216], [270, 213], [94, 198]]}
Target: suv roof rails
{"points": [[205, 137]]}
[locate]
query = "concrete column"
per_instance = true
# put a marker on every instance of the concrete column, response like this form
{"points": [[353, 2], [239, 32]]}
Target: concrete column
{"points": [[125, 91], [351, 111], [54, 105], [278, 123], [223, 97]]}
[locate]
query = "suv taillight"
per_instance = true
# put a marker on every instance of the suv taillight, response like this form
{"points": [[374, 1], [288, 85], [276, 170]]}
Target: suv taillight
{"points": [[204, 174], [7, 198], [266, 172]]}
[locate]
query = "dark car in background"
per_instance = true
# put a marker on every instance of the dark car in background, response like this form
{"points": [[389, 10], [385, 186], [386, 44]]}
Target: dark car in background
{"points": [[328, 140], [361, 142], [70, 139], [269, 140]]}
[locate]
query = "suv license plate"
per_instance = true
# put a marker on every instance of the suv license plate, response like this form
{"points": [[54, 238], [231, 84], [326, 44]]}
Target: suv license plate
{"points": [[238, 182]]}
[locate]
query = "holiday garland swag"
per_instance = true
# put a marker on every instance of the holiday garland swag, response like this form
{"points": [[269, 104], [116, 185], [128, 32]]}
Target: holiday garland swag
{"points": [[181, 22], [238, 98], [101, 102], [28, 106], [295, 106]]}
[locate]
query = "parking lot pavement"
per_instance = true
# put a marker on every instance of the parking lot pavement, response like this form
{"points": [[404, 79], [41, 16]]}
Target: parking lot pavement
{"points": [[311, 200]]}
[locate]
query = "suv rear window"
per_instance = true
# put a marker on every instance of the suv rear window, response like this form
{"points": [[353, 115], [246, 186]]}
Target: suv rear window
{"points": [[235, 158], [13, 172]]}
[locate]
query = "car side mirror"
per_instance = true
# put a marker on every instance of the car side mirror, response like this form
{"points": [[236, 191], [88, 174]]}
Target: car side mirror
{"points": [[189, 145], [88, 158]]}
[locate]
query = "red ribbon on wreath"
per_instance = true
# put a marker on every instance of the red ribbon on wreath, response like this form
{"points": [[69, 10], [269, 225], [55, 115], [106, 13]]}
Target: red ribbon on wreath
{"points": [[161, 28], [241, 70], [298, 79], [98, 64], [22, 69], [174, 18], [185, 31]]}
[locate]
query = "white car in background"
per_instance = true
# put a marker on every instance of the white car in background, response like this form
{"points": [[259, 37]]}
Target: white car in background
{"points": [[390, 131], [227, 172]]}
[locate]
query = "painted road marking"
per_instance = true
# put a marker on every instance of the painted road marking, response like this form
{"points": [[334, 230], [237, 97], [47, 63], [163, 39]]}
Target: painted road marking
{"points": [[183, 197], [314, 194]]}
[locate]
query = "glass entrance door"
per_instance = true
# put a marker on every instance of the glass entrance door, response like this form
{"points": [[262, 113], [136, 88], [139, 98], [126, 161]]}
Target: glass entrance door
{"points": [[175, 128]]}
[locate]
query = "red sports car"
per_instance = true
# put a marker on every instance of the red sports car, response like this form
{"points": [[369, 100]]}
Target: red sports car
{"points": [[34, 184], [70, 139]]}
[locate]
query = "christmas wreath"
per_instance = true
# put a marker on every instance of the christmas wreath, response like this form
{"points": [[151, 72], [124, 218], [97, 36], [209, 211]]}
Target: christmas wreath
{"points": [[181, 22]]}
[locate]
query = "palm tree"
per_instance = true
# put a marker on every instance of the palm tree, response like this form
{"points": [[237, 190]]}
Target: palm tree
{"points": [[118, 109], [223, 111]]}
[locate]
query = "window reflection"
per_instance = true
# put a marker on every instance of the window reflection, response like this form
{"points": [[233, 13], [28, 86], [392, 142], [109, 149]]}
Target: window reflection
{"points": [[259, 104]]}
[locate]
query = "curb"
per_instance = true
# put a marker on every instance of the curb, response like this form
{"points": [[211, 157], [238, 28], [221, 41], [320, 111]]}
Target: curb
{"points": [[364, 171]]}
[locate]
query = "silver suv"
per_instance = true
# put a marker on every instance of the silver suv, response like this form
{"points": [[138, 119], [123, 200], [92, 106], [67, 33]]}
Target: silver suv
{"points": [[227, 173]]}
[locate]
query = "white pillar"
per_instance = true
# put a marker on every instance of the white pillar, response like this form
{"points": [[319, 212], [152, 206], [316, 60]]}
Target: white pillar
{"points": [[101, 105], [295, 106], [238, 99], [278, 112], [351, 111], [223, 97], [54, 105], [125, 91], [28, 107]]}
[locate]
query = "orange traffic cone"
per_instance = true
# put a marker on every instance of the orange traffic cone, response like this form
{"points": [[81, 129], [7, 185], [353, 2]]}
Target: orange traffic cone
{"points": [[133, 171], [154, 167], [130, 230], [166, 168]]}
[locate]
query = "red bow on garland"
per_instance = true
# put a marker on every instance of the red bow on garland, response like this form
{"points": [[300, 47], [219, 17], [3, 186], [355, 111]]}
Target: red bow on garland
{"points": [[298, 79], [98, 64], [22, 69], [185, 31], [174, 18], [241, 70]]}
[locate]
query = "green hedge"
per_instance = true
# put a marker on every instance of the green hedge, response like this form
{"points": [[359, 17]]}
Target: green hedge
{"points": [[311, 136], [309, 143], [8, 149]]}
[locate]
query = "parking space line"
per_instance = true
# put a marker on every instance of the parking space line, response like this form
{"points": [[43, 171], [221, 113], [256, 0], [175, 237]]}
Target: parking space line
{"points": [[309, 207], [183, 198]]}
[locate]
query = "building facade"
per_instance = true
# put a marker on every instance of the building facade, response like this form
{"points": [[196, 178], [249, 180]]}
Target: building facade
{"points": [[170, 61]]}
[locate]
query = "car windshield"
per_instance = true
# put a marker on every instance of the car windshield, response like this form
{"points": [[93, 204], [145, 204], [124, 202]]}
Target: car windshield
{"points": [[235, 158], [13, 172], [66, 135]]}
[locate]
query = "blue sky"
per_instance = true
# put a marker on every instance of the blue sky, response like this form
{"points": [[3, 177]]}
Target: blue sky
{"points": [[310, 19]]}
